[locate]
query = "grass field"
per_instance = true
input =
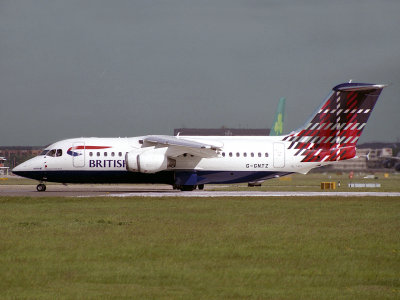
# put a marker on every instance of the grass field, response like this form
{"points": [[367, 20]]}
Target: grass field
{"points": [[163, 248]]}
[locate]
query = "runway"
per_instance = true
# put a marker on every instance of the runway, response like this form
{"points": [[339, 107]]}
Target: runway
{"points": [[166, 191]]}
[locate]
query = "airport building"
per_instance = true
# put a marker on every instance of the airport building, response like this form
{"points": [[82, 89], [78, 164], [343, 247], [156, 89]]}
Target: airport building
{"points": [[367, 159], [3, 168]]}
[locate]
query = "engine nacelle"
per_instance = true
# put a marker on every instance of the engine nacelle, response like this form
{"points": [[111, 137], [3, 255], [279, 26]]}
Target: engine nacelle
{"points": [[148, 160]]}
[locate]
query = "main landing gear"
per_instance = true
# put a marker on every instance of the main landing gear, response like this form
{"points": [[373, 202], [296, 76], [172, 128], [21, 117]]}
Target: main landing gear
{"points": [[41, 187], [188, 187]]}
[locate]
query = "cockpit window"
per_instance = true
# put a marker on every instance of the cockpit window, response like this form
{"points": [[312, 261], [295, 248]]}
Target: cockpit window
{"points": [[44, 152], [52, 152]]}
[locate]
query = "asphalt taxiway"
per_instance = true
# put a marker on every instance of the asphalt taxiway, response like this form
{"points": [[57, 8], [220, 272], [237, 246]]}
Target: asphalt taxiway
{"points": [[165, 191]]}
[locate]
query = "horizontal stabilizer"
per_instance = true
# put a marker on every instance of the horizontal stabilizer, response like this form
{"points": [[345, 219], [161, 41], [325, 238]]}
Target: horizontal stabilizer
{"points": [[358, 86]]}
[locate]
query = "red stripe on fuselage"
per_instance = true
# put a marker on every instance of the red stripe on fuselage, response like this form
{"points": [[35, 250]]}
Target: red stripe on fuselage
{"points": [[90, 147]]}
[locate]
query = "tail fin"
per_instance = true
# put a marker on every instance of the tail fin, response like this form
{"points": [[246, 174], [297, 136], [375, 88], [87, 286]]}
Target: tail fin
{"points": [[333, 131], [277, 126]]}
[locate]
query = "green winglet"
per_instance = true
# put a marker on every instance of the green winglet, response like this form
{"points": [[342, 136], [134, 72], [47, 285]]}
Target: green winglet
{"points": [[277, 126]]}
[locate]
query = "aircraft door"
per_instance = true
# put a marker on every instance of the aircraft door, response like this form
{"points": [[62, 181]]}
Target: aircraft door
{"points": [[78, 154], [279, 155]]}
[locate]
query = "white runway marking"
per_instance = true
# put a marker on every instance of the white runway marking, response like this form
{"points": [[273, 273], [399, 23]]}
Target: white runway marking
{"points": [[253, 194]]}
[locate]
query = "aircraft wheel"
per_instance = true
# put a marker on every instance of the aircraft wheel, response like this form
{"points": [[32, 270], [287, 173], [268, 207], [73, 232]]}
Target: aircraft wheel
{"points": [[201, 186], [41, 187], [397, 167], [187, 188]]}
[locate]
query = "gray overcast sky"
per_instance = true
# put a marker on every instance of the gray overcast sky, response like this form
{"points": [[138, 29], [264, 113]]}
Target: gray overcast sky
{"points": [[127, 68]]}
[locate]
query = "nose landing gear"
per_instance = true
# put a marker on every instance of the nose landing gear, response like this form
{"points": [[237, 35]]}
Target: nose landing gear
{"points": [[41, 187]]}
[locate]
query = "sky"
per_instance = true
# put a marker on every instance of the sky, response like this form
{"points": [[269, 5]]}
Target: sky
{"points": [[128, 68]]}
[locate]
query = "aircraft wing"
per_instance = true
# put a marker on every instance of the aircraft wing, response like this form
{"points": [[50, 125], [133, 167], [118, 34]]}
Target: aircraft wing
{"points": [[178, 146]]}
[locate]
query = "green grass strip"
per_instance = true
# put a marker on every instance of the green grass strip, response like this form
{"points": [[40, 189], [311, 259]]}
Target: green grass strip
{"points": [[197, 248]]}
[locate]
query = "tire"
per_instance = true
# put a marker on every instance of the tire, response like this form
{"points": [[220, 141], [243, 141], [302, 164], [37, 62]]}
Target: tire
{"points": [[187, 188], [201, 186], [41, 187]]}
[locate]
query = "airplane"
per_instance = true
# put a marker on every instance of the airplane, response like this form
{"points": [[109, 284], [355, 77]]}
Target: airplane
{"points": [[330, 135]]}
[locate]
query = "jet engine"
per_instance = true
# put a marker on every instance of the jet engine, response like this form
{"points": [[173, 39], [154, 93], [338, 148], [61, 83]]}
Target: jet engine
{"points": [[148, 160]]}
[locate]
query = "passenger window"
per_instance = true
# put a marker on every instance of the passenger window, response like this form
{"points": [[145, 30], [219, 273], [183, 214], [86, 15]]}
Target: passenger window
{"points": [[245, 154], [90, 153], [266, 154], [259, 154], [223, 154], [119, 153], [98, 153], [112, 154], [252, 154], [237, 154], [105, 153], [230, 154], [52, 152], [59, 152]]}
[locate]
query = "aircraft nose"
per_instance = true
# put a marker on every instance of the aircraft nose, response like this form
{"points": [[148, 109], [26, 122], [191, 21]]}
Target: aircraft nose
{"points": [[25, 166], [30, 169]]}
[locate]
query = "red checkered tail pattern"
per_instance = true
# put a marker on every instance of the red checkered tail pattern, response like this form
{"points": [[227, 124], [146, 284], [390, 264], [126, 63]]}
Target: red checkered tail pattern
{"points": [[333, 131]]}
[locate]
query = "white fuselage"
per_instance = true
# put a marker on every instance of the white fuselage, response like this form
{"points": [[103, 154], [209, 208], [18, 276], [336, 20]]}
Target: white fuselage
{"points": [[254, 158]]}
